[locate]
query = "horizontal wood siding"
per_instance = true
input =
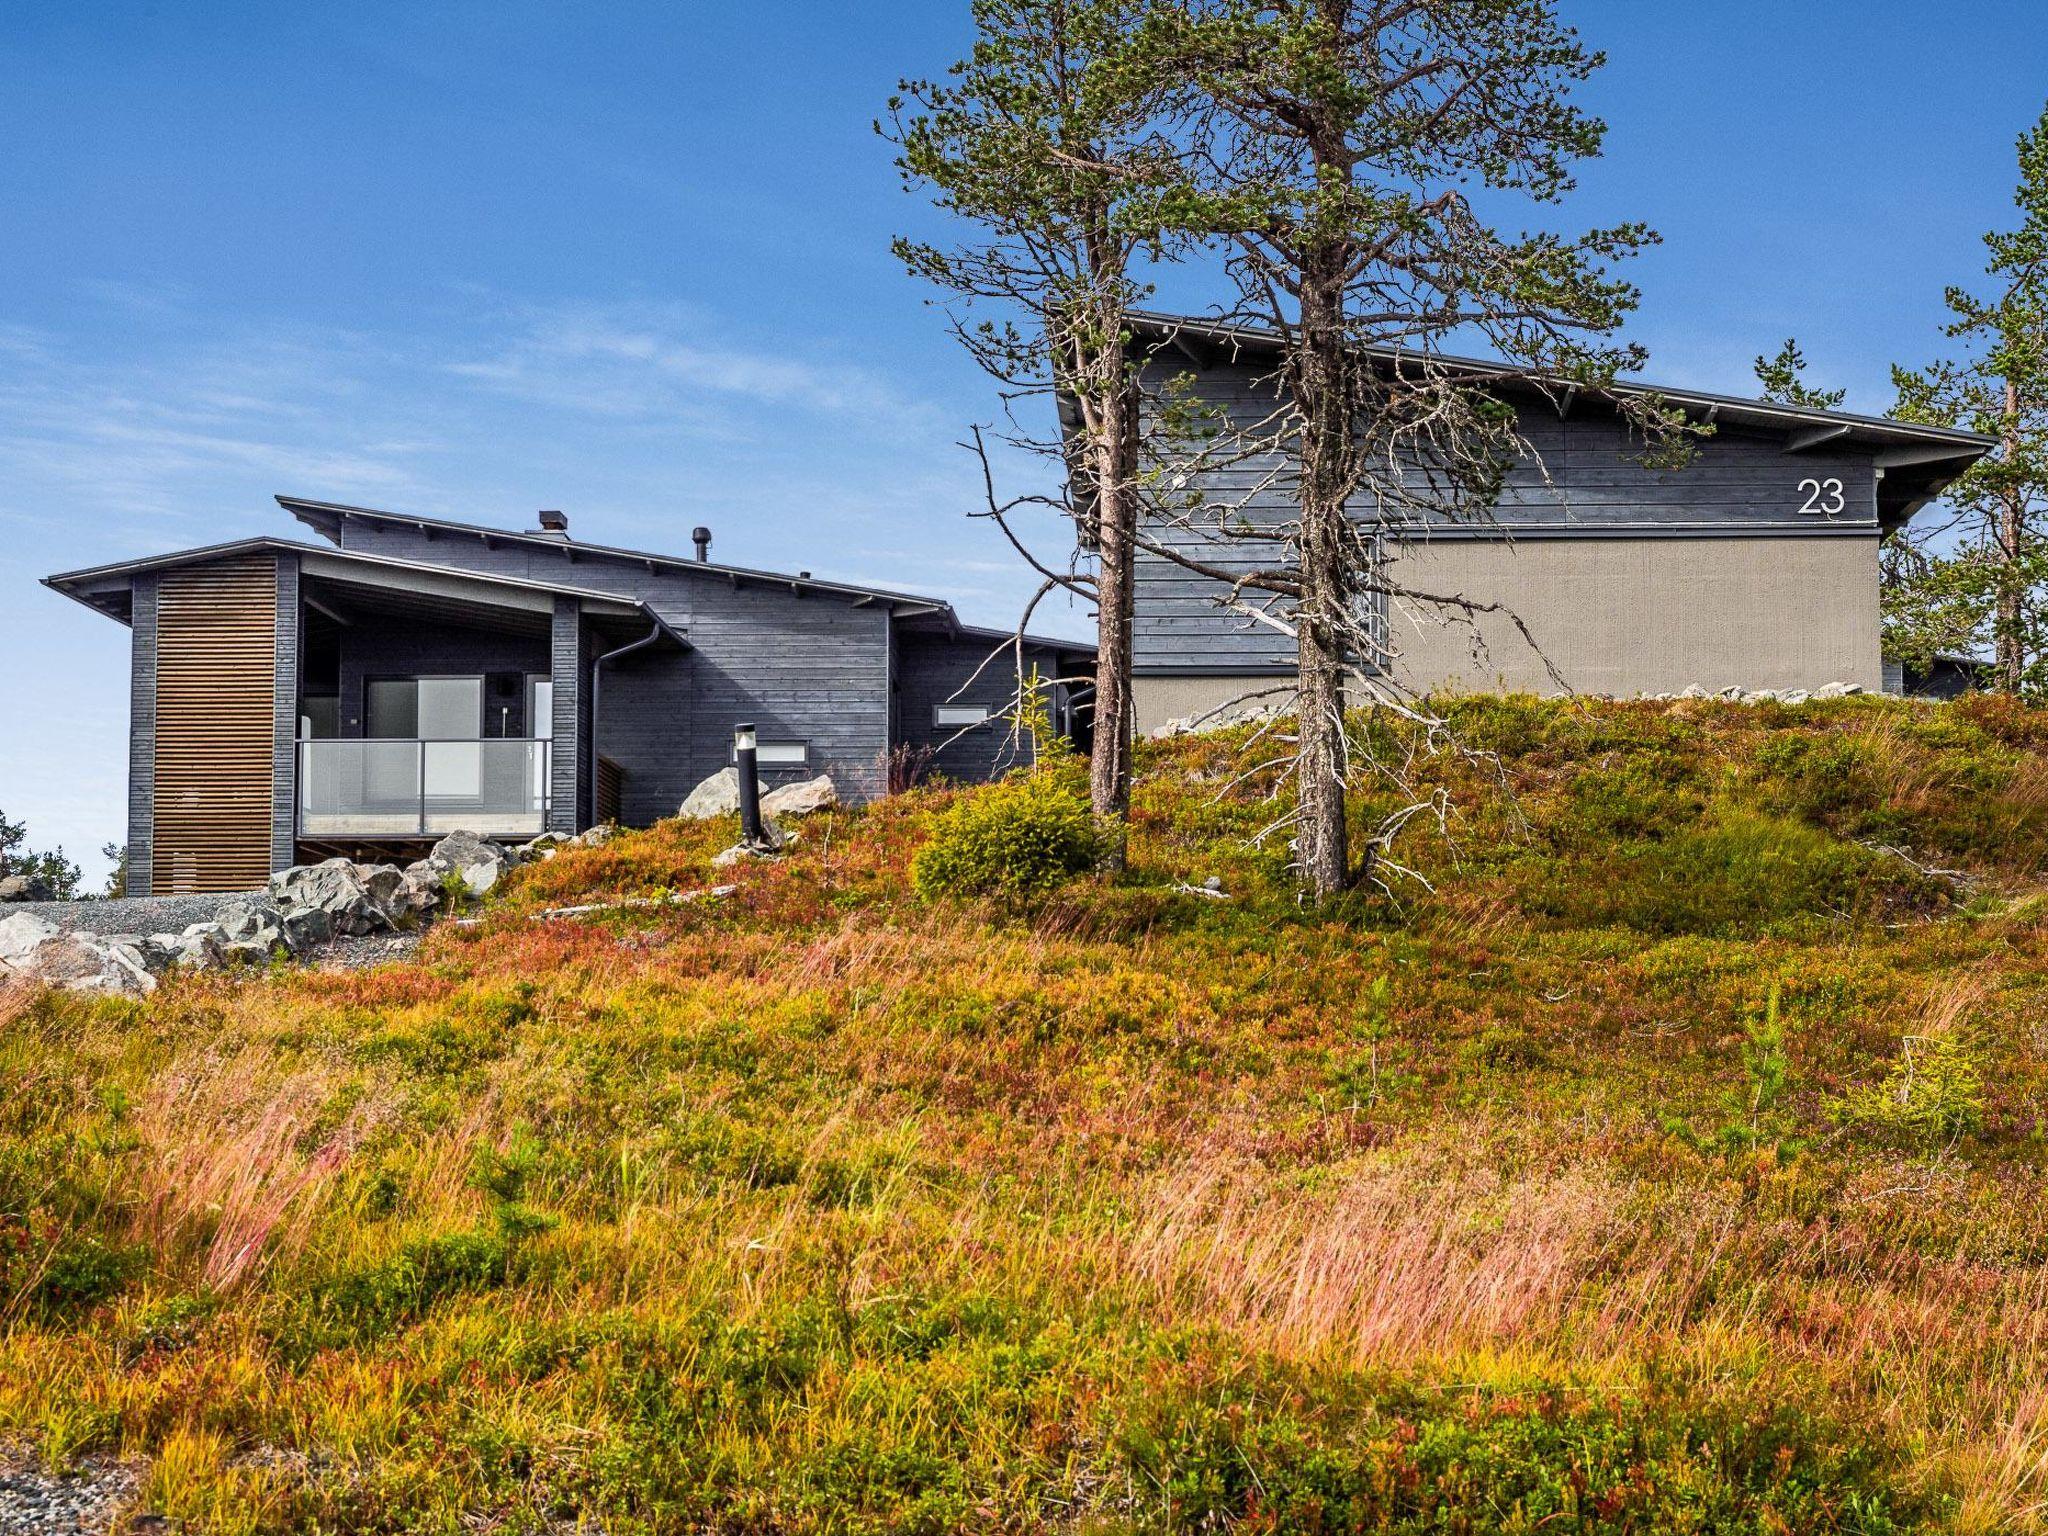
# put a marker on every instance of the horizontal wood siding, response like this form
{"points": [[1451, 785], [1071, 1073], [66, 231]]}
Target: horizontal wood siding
{"points": [[941, 669], [1581, 482], [611, 784], [565, 765], [647, 703], [809, 666], [216, 659]]}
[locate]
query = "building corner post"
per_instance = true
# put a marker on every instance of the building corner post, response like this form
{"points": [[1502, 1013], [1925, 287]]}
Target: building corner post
{"points": [[284, 730], [565, 763]]}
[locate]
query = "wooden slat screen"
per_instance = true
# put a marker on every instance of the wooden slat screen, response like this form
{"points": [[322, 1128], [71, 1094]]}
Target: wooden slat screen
{"points": [[611, 789], [215, 687]]}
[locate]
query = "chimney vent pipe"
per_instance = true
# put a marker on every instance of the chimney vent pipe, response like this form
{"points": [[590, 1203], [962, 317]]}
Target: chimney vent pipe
{"points": [[701, 537]]}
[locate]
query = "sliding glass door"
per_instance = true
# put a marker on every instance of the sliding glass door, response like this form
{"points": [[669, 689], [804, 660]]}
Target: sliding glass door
{"points": [[446, 714]]}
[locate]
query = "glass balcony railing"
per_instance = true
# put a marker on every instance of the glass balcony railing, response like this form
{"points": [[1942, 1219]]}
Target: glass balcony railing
{"points": [[409, 788]]}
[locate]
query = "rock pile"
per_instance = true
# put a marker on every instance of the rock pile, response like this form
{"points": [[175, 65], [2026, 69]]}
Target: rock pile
{"points": [[1765, 695], [305, 907], [1247, 713], [1218, 719], [719, 795]]}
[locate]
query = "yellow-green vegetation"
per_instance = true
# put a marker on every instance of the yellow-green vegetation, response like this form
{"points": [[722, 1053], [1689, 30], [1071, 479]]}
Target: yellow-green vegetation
{"points": [[1672, 1161]]}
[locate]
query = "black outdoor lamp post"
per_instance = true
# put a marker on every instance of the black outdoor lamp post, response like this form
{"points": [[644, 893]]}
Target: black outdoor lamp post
{"points": [[743, 745]]}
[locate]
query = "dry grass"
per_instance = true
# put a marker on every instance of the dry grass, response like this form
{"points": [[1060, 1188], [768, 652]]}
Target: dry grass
{"points": [[818, 1209]]}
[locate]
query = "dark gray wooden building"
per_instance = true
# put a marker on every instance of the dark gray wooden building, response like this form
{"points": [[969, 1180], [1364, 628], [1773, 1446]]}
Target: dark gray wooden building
{"points": [[1756, 565], [411, 677]]}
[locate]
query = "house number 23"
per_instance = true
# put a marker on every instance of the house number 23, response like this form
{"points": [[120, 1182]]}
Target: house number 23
{"points": [[1823, 498]]}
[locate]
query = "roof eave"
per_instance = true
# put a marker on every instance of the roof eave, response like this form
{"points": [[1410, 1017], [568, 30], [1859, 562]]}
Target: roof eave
{"points": [[1170, 329], [311, 511]]}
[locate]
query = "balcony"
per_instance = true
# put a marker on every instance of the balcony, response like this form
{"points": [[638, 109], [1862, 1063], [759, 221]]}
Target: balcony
{"points": [[411, 788]]}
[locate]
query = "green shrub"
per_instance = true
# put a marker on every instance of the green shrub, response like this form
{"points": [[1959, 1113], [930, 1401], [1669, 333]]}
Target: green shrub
{"points": [[373, 1300], [1933, 1093], [57, 1272], [1736, 872], [1017, 840]]}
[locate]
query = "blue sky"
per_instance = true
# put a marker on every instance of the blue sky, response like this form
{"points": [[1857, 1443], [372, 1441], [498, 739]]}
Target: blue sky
{"points": [[478, 257]]}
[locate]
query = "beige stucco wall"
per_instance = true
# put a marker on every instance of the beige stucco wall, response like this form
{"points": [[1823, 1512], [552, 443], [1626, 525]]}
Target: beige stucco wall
{"points": [[1618, 616]]}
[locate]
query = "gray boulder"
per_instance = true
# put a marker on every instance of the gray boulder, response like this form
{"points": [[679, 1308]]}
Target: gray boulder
{"points": [[593, 837], [26, 888], [253, 929], [718, 795], [21, 936], [154, 951], [801, 799], [479, 863], [82, 962], [200, 948], [159, 951], [420, 890], [307, 928], [382, 881], [34, 949], [545, 846], [346, 892]]}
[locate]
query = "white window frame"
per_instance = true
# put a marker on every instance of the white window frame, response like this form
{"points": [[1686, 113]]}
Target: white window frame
{"points": [[983, 716], [780, 755]]}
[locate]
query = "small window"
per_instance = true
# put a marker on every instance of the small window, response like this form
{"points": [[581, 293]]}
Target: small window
{"points": [[779, 754], [957, 717]]}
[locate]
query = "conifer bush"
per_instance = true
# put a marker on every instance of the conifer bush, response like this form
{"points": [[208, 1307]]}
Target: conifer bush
{"points": [[1932, 1094], [1016, 841]]}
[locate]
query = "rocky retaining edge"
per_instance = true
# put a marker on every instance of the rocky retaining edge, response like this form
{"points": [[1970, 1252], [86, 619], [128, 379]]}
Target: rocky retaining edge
{"points": [[306, 906]]}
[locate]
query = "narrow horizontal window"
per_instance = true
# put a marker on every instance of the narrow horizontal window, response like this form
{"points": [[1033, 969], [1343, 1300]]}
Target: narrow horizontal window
{"points": [[780, 754], [959, 716]]}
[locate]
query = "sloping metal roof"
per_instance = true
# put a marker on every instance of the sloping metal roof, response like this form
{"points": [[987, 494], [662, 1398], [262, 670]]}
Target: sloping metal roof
{"points": [[1167, 328], [105, 588], [1916, 463], [326, 517]]}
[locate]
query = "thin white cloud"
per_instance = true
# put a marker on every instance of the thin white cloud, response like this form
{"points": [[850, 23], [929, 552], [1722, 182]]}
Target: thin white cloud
{"points": [[652, 362]]}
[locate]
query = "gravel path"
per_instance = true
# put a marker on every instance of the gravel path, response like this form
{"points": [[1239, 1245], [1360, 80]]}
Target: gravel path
{"points": [[126, 914], [33, 1501]]}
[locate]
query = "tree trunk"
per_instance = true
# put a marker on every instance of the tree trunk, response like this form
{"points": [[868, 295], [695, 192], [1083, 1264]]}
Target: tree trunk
{"points": [[1322, 358], [2009, 644], [1115, 451]]}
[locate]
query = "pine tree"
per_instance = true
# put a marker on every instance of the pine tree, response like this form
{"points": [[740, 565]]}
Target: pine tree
{"points": [[1975, 578], [1048, 139], [1343, 143], [1784, 380]]}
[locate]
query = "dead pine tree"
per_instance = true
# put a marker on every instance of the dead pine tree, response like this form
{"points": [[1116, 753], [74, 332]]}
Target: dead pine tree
{"points": [[1048, 141], [1345, 146]]}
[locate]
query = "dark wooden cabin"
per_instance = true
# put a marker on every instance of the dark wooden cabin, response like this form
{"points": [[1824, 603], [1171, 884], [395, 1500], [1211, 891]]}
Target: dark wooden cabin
{"points": [[413, 677]]}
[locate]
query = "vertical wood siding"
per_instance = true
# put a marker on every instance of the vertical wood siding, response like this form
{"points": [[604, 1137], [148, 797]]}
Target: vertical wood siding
{"points": [[215, 728]]}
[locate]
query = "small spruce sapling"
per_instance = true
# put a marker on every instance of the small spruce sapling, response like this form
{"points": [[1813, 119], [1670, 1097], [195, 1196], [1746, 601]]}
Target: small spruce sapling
{"points": [[1932, 1094]]}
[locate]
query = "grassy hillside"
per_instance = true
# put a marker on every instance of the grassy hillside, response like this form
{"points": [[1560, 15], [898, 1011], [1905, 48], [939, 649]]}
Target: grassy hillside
{"points": [[1676, 1163]]}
